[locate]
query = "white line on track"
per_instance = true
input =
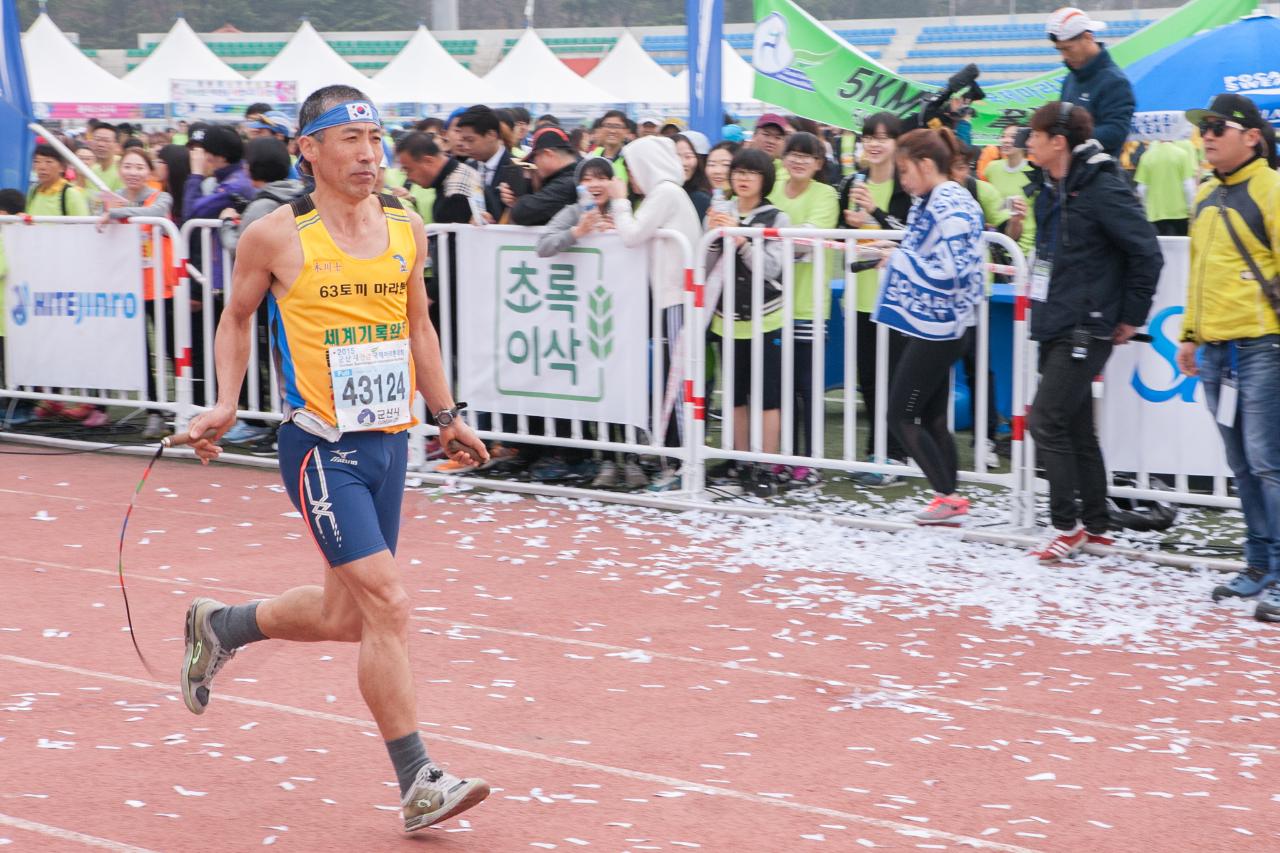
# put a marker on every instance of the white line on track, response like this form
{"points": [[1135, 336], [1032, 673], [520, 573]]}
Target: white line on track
{"points": [[913, 830], [69, 835], [733, 666]]}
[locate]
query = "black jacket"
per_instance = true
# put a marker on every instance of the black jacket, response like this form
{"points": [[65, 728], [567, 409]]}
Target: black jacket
{"points": [[558, 191], [1105, 256], [893, 219], [508, 172], [1101, 88]]}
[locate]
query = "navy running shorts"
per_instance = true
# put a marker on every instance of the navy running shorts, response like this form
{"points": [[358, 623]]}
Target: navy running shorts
{"points": [[349, 491]]}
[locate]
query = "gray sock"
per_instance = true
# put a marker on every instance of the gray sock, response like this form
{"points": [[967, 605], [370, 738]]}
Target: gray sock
{"points": [[237, 625], [408, 756]]}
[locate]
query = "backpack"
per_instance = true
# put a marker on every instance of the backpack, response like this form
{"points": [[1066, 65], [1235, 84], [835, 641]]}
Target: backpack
{"points": [[742, 274]]}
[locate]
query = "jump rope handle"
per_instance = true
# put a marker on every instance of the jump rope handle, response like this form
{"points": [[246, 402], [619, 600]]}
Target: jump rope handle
{"points": [[178, 439]]}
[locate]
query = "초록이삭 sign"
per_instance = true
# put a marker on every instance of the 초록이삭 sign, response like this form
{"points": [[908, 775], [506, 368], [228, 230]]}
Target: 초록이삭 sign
{"points": [[564, 336]]}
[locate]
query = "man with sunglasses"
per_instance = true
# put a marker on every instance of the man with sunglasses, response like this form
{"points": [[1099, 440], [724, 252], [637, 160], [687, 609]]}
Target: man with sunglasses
{"points": [[1093, 79], [1231, 333]]}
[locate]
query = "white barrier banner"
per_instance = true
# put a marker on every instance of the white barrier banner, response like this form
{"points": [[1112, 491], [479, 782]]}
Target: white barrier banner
{"points": [[565, 336], [74, 315], [1154, 419]]}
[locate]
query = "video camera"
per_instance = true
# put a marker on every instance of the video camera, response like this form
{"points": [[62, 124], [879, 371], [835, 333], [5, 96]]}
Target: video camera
{"points": [[963, 81]]}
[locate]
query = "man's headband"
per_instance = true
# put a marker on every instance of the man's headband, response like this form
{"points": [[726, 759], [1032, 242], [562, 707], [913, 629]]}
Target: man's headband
{"points": [[344, 113]]}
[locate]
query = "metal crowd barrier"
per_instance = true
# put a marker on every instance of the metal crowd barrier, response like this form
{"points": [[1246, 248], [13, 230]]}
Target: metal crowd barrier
{"points": [[662, 393], [848, 460], [677, 394]]}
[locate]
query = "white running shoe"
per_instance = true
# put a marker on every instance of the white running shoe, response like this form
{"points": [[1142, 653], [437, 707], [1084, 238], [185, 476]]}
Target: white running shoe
{"points": [[437, 796]]}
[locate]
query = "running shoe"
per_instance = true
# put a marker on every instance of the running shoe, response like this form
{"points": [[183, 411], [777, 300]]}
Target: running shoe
{"points": [[95, 419], [205, 655], [154, 427], [872, 480], [1268, 609], [448, 466], [549, 468], [1246, 584], [633, 474], [1060, 545], [606, 475], [668, 480], [944, 510], [245, 433], [437, 796], [1098, 539]]}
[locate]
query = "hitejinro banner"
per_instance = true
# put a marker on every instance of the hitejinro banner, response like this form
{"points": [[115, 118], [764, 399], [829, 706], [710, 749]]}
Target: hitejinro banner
{"points": [[804, 67], [565, 336], [74, 313]]}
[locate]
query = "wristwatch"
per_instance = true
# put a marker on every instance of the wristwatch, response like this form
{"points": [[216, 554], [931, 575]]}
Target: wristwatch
{"points": [[444, 417]]}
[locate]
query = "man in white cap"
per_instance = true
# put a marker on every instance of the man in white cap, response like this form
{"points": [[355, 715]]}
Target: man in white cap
{"points": [[1093, 80]]}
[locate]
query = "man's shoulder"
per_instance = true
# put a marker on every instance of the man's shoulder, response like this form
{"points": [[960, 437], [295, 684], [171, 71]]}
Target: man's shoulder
{"points": [[273, 229]]}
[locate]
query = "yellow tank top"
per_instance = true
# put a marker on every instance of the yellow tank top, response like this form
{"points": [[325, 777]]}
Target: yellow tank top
{"points": [[338, 300]]}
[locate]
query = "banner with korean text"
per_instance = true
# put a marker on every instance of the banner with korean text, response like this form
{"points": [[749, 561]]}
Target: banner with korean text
{"points": [[74, 313], [1153, 418], [565, 336]]}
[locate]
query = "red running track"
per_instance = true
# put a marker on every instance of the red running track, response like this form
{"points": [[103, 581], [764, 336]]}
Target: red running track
{"points": [[626, 680]]}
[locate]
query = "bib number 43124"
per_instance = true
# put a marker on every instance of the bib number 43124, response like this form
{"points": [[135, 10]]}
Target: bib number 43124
{"points": [[371, 385]]}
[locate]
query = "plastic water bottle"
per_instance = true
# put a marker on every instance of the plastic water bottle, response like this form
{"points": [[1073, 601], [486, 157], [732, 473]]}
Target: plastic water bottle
{"points": [[586, 201], [477, 207], [858, 180], [719, 203]]}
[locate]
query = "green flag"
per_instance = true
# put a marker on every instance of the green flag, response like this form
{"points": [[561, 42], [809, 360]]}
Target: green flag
{"points": [[807, 69]]}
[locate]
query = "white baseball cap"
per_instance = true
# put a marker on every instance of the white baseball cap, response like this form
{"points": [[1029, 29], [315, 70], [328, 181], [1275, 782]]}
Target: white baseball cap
{"points": [[1069, 22]]}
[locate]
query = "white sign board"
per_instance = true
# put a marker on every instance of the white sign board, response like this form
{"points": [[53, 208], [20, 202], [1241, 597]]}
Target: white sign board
{"points": [[565, 336], [74, 314], [1154, 419], [221, 100]]}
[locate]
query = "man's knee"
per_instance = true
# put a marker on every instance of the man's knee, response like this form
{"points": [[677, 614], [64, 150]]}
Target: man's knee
{"points": [[386, 609]]}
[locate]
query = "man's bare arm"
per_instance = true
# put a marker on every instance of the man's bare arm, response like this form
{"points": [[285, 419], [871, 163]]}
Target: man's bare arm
{"points": [[428, 364], [259, 247]]}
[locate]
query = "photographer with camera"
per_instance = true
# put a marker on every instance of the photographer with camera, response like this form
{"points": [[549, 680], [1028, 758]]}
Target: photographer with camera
{"points": [[1096, 266]]}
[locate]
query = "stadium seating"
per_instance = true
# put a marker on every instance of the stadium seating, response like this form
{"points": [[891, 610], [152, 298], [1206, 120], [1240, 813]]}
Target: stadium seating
{"points": [[1014, 32]]}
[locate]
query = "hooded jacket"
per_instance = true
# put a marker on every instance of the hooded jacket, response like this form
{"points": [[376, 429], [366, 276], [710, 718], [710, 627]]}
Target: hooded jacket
{"points": [[269, 197], [655, 167], [1105, 257], [1101, 88], [1225, 302]]}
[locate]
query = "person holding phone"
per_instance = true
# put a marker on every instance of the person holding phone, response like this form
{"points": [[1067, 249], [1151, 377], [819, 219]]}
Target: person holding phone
{"points": [[873, 198]]}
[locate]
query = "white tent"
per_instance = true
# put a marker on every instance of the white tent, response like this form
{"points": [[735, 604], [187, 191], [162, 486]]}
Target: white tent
{"points": [[631, 74], [181, 55], [60, 74], [737, 78], [531, 74], [424, 73], [310, 61]]}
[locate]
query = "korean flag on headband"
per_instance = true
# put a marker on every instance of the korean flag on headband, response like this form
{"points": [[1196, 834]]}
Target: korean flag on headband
{"points": [[360, 111]]}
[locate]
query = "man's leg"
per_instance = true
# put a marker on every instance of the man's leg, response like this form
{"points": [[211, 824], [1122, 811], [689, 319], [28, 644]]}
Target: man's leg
{"points": [[1091, 470], [1214, 361], [1065, 385]]}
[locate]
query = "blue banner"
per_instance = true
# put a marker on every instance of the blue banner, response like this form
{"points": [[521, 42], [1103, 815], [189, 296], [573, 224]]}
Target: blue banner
{"points": [[16, 141], [705, 22]]}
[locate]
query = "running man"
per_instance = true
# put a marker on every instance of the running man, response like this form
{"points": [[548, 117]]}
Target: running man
{"points": [[341, 270]]}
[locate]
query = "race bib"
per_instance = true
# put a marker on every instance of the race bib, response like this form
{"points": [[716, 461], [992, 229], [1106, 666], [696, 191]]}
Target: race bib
{"points": [[1041, 271], [371, 387], [1228, 402]]}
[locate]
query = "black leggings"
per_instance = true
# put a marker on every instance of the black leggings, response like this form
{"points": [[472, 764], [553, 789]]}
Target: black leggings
{"points": [[918, 397]]}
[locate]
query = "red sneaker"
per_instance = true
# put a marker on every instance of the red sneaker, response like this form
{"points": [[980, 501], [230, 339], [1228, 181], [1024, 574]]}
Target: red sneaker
{"points": [[1098, 538], [1063, 544]]}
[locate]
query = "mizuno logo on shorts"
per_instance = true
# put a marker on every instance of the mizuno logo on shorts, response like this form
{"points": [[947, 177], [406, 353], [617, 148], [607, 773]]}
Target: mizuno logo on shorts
{"points": [[343, 457]]}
